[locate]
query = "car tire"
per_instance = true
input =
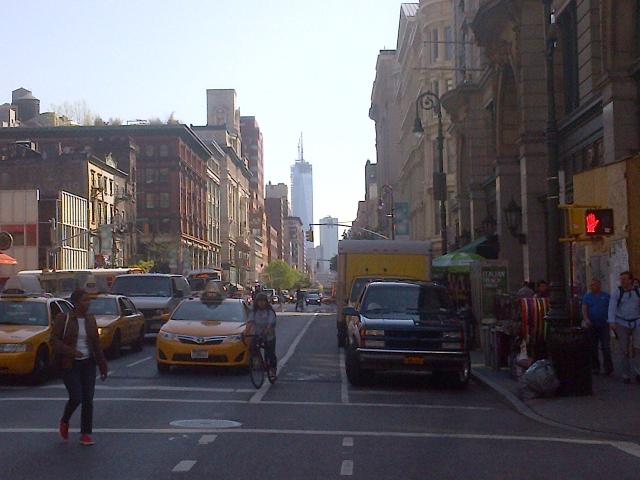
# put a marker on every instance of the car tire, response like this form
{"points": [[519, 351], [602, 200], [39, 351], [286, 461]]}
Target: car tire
{"points": [[460, 379], [355, 374], [163, 368], [138, 345], [115, 349], [41, 366]]}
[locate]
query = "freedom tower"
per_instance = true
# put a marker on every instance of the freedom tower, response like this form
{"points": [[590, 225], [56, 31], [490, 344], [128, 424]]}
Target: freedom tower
{"points": [[302, 195]]}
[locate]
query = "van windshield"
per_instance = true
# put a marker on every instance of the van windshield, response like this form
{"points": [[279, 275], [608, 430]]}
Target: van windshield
{"points": [[143, 286]]}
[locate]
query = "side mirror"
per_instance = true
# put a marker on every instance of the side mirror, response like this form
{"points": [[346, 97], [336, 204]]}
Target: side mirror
{"points": [[349, 312], [127, 312]]}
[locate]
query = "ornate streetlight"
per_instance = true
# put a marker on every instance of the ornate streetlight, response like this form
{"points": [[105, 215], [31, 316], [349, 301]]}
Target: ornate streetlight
{"points": [[431, 101], [387, 190]]}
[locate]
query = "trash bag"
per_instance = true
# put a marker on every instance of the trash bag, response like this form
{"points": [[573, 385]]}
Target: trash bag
{"points": [[541, 379]]}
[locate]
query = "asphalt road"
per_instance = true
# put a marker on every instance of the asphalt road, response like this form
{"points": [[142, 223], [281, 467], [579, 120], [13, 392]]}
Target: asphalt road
{"points": [[310, 425]]}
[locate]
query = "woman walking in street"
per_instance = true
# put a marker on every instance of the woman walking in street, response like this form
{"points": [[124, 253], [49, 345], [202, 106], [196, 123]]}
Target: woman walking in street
{"points": [[76, 342]]}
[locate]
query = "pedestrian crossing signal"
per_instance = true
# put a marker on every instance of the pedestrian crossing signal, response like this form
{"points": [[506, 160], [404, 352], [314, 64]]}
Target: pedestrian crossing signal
{"points": [[598, 221], [309, 235]]}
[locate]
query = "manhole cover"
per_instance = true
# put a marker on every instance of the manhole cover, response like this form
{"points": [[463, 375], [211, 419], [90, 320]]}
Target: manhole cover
{"points": [[205, 423]]}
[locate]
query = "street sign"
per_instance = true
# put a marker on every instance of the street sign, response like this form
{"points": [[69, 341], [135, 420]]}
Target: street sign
{"points": [[6, 241], [598, 221]]}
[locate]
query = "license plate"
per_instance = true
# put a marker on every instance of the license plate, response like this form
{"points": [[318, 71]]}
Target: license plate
{"points": [[199, 354], [413, 361]]}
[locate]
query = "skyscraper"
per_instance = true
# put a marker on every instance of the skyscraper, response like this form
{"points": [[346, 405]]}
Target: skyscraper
{"points": [[302, 192], [328, 240]]}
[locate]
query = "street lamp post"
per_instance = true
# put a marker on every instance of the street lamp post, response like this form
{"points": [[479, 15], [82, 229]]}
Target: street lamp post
{"points": [[388, 191], [555, 260], [431, 101]]}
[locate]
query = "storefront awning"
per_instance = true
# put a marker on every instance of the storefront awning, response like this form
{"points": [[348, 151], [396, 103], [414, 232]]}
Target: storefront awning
{"points": [[487, 247]]}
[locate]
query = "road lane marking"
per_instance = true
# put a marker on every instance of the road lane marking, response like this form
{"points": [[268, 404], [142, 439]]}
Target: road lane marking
{"points": [[184, 466], [628, 447], [346, 469], [347, 442], [259, 395], [207, 439], [266, 402], [154, 387], [344, 387], [145, 359]]}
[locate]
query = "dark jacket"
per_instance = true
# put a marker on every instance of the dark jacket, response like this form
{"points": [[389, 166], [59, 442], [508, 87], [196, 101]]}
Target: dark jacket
{"points": [[65, 346]]}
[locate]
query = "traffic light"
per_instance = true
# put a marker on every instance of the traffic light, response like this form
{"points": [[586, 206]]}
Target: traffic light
{"points": [[598, 221], [309, 235], [575, 224]]}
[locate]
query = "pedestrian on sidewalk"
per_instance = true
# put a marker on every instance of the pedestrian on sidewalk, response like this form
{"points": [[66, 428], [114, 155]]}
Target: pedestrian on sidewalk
{"points": [[595, 313], [75, 340], [624, 316], [543, 289], [525, 291]]}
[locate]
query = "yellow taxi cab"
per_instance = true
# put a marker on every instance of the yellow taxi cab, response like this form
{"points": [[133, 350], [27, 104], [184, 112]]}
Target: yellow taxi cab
{"points": [[120, 323], [204, 331], [25, 332]]}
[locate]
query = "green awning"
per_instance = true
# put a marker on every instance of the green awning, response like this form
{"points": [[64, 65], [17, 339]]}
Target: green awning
{"points": [[472, 246]]}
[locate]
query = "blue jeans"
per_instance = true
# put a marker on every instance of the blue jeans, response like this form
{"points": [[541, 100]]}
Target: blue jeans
{"points": [[80, 381], [601, 338]]}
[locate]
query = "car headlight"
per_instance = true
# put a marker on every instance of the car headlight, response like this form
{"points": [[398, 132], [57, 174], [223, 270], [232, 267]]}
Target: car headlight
{"points": [[14, 347], [232, 339], [168, 335]]}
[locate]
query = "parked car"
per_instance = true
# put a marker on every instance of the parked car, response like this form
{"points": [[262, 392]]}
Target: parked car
{"points": [[25, 331], [406, 326], [120, 323], [313, 299], [203, 332], [154, 294]]}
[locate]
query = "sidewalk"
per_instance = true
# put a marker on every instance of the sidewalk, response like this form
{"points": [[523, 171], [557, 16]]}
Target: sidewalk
{"points": [[614, 408]]}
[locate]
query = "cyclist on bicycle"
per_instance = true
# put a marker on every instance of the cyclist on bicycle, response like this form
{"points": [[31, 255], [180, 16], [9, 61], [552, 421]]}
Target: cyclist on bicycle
{"points": [[262, 323]]}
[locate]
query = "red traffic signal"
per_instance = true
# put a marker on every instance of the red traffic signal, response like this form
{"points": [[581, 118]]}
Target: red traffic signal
{"points": [[598, 221]]}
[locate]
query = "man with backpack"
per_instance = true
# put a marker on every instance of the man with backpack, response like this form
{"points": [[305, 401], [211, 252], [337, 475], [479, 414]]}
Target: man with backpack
{"points": [[624, 320]]}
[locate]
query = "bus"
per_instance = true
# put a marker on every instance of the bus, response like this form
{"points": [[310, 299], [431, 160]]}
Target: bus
{"points": [[198, 279]]}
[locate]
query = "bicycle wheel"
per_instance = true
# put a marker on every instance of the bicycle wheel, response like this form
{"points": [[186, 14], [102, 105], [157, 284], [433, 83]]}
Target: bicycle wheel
{"points": [[256, 369]]}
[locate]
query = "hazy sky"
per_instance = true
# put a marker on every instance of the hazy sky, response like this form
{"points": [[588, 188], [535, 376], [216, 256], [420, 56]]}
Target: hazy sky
{"points": [[297, 65]]}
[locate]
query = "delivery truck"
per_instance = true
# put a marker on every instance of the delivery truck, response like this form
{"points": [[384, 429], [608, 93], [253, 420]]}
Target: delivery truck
{"points": [[363, 261]]}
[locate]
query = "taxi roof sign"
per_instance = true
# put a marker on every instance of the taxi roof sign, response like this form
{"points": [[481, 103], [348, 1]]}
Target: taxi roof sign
{"points": [[22, 285]]}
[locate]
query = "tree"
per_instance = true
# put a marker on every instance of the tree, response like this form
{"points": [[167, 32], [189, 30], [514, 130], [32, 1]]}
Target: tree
{"points": [[77, 110], [280, 274], [333, 263], [301, 280]]}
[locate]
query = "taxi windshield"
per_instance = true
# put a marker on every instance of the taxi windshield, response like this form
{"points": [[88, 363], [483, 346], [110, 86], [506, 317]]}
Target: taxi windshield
{"points": [[142, 286], [225, 311], [23, 313], [103, 306]]}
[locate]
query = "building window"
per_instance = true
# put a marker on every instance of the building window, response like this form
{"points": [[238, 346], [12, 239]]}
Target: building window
{"points": [[164, 200], [435, 53], [93, 178], [148, 151], [151, 200], [151, 175], [568, 21], [164, 151], [111, 187], [448, 46], [163, 175], [449, 83], [165, 225]]}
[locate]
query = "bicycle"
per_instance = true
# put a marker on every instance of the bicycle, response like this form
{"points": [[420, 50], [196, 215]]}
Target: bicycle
{"points": [[258, 364]]}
